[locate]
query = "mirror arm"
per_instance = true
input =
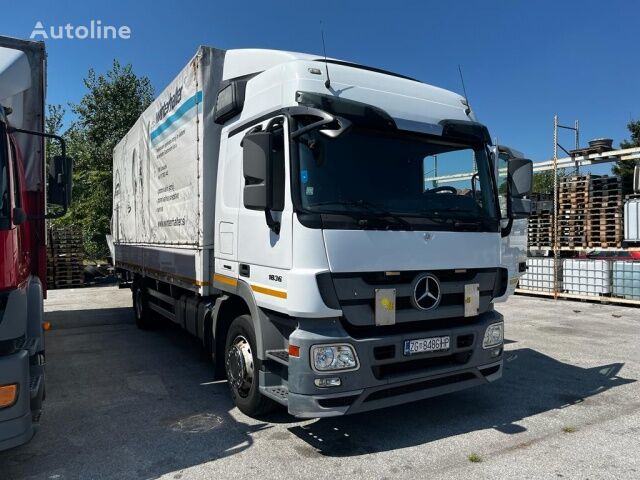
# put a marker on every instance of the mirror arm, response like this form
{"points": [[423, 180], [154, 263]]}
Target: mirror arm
{"points": [[273, 224], [326, 119], [63, 144], [63, 150], [506, 231]]}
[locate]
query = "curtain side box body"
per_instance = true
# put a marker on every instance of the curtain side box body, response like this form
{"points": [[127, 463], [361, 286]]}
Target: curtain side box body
{"points": [[164, 176]]}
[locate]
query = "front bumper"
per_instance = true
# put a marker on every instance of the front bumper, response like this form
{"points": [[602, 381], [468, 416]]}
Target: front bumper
{"points": [[385, 376], [15, 422]]}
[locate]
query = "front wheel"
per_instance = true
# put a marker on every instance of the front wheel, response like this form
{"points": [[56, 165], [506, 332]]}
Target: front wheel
{"points": [[241, 365]]}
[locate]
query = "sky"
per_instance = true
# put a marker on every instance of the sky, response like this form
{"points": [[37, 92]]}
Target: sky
{"points": [[523, 61]]}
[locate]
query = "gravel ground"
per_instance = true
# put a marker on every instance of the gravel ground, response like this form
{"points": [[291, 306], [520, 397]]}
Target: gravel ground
{"points": [[122, 403]]}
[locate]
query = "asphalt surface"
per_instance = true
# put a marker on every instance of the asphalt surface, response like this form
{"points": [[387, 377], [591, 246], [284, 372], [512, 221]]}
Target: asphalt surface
{"points": [[122, 403]]}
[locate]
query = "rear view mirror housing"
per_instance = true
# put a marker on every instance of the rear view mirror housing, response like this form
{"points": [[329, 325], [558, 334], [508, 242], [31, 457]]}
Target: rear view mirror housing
{"points": [[264, 177], [60, 182], [19, 216], [520, 181], [636, 179], [263, 171]]}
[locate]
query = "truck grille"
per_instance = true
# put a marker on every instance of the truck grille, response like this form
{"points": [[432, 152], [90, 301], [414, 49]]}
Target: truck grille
{"points": [[355, 294]]}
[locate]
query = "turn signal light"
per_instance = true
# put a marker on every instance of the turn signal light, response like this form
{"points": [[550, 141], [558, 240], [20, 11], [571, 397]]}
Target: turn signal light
{"points": [[46, 326], [294, 351], [8, 395]]}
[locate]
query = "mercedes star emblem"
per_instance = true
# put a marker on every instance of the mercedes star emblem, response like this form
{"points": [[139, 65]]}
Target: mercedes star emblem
{"points": [[426, 292]]}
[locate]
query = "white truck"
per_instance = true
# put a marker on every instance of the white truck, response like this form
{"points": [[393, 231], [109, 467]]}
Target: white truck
{"points": [[333, 233]]}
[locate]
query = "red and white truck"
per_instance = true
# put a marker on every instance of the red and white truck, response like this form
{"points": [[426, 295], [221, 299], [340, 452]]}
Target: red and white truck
{"points": [[27, 186]]}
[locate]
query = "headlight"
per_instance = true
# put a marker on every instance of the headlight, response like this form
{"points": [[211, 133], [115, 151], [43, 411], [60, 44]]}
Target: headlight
{"points": [[333, 357], [493, 336]]}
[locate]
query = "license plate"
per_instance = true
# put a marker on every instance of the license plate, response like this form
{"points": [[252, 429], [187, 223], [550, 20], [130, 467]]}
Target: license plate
{"points": [[423, 345]]}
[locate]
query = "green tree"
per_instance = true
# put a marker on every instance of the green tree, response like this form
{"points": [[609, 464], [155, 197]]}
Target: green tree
{"points": [[53, 125], [108, 110], [624, 169], [543, 181]]}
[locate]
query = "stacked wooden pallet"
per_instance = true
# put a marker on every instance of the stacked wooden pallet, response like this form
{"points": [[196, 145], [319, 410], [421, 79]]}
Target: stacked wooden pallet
{"points": [[605, 221], [573, 196], [64, 258], [540, 233], [590, 212]]}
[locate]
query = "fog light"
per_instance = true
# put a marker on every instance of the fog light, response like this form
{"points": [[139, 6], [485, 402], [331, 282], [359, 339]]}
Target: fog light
{"points": [[333, 357], [496, 352], [493, 336], [328, 382], [8, 395]]}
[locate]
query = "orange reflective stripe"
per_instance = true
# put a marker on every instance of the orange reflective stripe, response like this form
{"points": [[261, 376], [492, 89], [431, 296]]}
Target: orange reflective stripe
{"points": [[226, 280], [269, 291]]}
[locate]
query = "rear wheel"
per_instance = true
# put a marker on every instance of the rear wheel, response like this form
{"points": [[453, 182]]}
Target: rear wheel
{"points": [[241, 365], [141, 309]]}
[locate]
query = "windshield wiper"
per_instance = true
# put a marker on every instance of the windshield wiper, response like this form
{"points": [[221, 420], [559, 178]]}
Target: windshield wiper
{"points": [[378, 211], [460, 218]]}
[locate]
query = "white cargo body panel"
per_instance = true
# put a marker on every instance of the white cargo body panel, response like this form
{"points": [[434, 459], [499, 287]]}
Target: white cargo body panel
{"points": [[157, 167]]}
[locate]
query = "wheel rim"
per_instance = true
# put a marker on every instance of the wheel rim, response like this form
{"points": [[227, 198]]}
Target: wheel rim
{"points": [[138, 303], [240, 366]]}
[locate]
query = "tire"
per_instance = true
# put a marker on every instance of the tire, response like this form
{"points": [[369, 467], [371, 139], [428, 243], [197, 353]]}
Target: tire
{"points": [[141, 310], [242, 366]]}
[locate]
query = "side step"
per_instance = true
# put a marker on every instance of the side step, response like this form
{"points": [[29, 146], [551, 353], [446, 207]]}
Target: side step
{"points": [[271, 385], [280, 393], [280, 356]]}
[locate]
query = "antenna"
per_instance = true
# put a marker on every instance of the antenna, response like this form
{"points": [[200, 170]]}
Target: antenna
{"points": [[464, 89], [327, 82]]}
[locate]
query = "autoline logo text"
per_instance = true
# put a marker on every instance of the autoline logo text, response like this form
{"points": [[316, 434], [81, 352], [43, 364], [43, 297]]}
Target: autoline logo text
{"points": [[95, 30]]}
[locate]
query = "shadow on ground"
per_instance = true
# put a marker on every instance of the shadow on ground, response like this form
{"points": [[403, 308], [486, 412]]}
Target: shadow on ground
{"points": [[532, 383], [123, 403]]}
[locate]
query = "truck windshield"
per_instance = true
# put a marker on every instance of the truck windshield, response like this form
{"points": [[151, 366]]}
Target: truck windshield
{"points": [[408, 176]]}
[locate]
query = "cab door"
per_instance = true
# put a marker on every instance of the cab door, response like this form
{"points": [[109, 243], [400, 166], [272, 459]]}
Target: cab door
{"points": [[19, 227], [514, 245], [265, 252]]}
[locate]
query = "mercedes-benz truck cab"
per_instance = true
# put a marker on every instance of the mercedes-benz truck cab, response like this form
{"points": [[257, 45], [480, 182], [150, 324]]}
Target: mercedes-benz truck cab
{"points": [[346, 242]]}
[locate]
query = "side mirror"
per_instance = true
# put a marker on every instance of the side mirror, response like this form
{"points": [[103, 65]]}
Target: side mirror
{"points": [[520, 179], [59, 181], [636, 179], [19, 216], [263, 170], [60, 184]]}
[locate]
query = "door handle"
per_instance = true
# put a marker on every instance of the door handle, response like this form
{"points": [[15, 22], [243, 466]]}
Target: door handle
{"points": [[244, 270]]}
